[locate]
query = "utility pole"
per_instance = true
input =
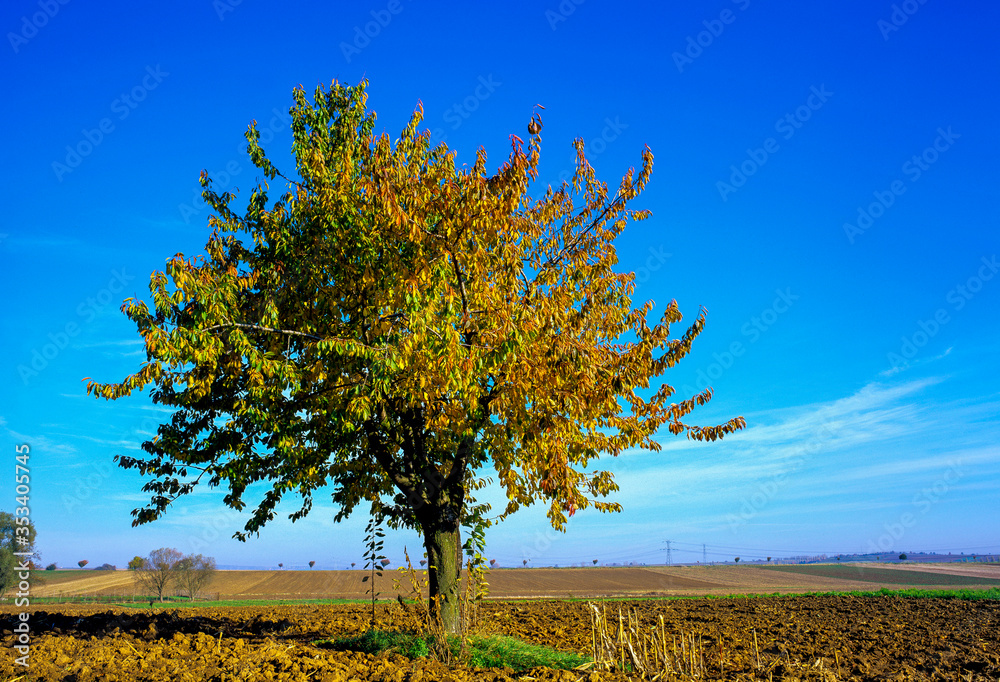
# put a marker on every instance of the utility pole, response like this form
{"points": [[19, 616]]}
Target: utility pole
{"points": [[667, 542]]}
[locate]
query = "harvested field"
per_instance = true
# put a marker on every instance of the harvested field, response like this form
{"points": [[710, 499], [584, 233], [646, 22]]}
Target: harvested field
{"points": [[797, 638], [560, 582], [891, 576]]}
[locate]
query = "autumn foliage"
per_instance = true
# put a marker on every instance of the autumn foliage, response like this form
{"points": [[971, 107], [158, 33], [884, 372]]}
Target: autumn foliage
{"points": [[395, 327]]}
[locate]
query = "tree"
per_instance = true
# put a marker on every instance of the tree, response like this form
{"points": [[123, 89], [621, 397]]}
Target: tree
{"points": [[280, 565], [311, 564], [595, 562], [106, 567], [902, 557], [82, 562], [737, 560], [194, 573], [392, 325], [158, 570], [135, 563], [15, 538], [51, 567]]}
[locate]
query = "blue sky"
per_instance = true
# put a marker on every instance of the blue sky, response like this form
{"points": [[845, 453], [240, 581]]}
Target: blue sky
{"points": [[824, 184]]}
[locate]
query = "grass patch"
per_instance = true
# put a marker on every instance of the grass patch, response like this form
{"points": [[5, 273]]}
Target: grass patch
{"points": [[967, 594], [497, 651], [493, 651]]}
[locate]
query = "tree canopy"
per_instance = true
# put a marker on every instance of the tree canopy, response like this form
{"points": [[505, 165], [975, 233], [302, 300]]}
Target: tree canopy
{"points": [[161, 568], [392, 326]]}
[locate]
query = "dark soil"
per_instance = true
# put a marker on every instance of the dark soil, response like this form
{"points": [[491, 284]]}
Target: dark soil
{"points": [[797, 638]]}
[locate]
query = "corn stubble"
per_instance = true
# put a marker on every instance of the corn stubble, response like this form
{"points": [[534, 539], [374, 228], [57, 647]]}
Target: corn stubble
{"points": [[645, 651]]}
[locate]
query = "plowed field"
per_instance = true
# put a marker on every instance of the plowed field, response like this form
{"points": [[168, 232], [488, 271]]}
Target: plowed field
{"points": [[797, 638]]}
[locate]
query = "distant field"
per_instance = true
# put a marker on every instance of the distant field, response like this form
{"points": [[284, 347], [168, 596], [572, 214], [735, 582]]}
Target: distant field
{"points": [[529, 583], [886, 576]]}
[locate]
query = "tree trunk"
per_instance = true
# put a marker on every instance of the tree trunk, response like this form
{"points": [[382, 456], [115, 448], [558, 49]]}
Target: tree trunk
{"points": [[443, 545]]}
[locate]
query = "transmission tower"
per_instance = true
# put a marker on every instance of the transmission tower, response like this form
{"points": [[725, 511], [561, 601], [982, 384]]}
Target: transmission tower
{"points": [[667, 543], [704, 554]]}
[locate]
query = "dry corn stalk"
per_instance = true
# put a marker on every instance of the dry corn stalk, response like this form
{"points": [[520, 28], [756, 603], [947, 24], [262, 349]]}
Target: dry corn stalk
{"points": [[631, 648]]}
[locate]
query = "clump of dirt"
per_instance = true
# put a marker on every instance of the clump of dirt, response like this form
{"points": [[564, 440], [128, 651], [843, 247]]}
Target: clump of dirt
{"points": [[765, 638]]}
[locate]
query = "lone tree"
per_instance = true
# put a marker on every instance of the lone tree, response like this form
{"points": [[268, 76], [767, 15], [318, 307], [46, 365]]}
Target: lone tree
{"points": [[158, 570], [82, 562], [194, 573], [391, 325]]}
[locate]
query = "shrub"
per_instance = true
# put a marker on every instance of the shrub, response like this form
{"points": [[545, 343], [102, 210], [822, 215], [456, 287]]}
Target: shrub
{"points": [[50, 567], [106, 567]]}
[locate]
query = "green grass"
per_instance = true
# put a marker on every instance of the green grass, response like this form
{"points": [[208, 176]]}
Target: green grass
{"points": [[967, 594], [494, 651]]}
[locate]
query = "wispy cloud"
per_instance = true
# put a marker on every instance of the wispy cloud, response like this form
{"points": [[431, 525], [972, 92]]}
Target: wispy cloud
{"points": [[105, 344], [892, 371], [39, 444], [127, 444], [860, 439]]}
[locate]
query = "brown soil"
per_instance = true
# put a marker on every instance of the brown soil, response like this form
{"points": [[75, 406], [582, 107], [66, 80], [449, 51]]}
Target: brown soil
{"points": [[797, 638], [526, 583]]}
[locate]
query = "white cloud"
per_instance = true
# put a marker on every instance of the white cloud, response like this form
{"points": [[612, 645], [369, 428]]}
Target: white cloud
{"points": [[812, 449]]}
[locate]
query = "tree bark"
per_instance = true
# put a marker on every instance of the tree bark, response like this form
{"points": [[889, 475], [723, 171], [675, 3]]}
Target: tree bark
{"points": [[443, 544]]}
